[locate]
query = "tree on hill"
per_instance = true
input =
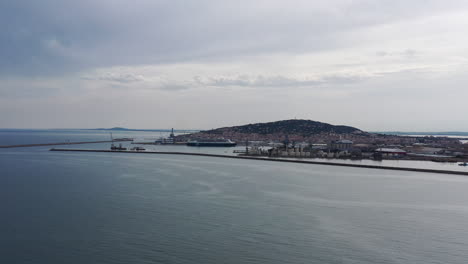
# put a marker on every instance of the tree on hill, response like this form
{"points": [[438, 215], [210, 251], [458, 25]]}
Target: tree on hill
{"points": [[293, 126]]}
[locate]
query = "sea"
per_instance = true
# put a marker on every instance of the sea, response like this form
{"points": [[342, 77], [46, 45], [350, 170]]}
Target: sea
{"points": [[80, 207]]}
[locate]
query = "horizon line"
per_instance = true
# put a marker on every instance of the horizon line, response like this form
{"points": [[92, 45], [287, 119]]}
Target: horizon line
{"points": [[169, 129]]}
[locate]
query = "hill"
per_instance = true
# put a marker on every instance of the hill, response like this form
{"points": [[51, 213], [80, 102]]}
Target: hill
{"points": [[293, 127], [114, 128]]}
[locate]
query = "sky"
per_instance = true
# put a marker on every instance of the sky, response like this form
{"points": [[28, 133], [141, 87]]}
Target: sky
{"points": [[378, 65]]}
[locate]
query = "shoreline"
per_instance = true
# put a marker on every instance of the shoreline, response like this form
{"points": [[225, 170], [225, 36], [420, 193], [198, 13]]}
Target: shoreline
{"points": [[270, 159]]}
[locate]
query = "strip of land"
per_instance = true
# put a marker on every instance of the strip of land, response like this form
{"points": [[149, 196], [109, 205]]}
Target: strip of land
{"points": [[59, 143], [272, 159]]}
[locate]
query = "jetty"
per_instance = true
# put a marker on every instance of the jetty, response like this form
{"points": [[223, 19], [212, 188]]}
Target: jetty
{"points": [[64, 143], [464, 173]]}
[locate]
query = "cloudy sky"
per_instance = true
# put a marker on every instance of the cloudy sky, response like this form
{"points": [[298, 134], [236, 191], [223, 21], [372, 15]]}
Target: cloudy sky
{"points": [[374, 64]]}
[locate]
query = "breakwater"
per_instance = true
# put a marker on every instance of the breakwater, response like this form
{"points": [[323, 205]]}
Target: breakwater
{"points": [[272, 159], [60, 143]]}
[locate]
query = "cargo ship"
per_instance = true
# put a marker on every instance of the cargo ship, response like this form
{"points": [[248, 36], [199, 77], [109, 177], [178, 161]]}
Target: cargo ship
{"points": [[211, 143]]}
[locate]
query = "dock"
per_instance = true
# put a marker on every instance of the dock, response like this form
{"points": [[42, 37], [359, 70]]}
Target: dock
{"points": [[464, 173]]}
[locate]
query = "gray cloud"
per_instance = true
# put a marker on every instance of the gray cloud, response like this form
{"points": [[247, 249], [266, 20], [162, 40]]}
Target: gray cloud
{"points": [[95, 63], [149, 78], [407, 53], [54, 36], [174, 87], [279, 81], [115, 77]]}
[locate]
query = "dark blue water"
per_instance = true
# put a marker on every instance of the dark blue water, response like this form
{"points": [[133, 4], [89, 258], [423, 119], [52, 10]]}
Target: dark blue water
{"points": [[104, 208]]}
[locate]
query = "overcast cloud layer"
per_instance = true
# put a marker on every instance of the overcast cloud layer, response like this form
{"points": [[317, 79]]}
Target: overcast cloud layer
{"points": [[376, 65]]}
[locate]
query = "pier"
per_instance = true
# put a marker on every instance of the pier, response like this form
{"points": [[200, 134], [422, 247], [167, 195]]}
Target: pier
{"points": [[272, 159]]}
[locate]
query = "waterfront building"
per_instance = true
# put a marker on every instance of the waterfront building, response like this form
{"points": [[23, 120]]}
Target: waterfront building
{"points": [[341, 145], [391, 152]]}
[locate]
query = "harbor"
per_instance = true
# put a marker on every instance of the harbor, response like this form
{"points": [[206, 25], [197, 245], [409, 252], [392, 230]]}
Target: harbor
{"points": [[464, 173], [165, 142]]}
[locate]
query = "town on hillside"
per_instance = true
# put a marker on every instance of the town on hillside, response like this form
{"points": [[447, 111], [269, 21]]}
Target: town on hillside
{"points": [[312, 139]]}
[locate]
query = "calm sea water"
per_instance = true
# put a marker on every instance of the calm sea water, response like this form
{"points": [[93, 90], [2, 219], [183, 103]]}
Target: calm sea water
{"points": [[104, 208]]}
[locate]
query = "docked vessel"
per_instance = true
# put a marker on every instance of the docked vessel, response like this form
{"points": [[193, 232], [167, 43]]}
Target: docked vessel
{"points": [[138, 149], [119, 147], [114, 147], [211, 143]]}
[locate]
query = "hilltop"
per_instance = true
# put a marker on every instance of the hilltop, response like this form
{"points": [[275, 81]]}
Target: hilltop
{"points": [[292, 126], [114, 128], [294, 129]]}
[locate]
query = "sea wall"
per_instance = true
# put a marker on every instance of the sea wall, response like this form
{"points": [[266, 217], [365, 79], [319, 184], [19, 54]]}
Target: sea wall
{"points": [[271, 160], [60, 143]]}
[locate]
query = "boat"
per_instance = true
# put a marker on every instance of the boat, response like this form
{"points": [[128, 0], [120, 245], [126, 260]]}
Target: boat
{"points": [[123, 139], [211, 143], [114, 147], [138, 149], [463, 164], [119, 147]]}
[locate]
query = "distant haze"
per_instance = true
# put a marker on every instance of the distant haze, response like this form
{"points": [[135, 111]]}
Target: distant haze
{"points": [[375, 65]]}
